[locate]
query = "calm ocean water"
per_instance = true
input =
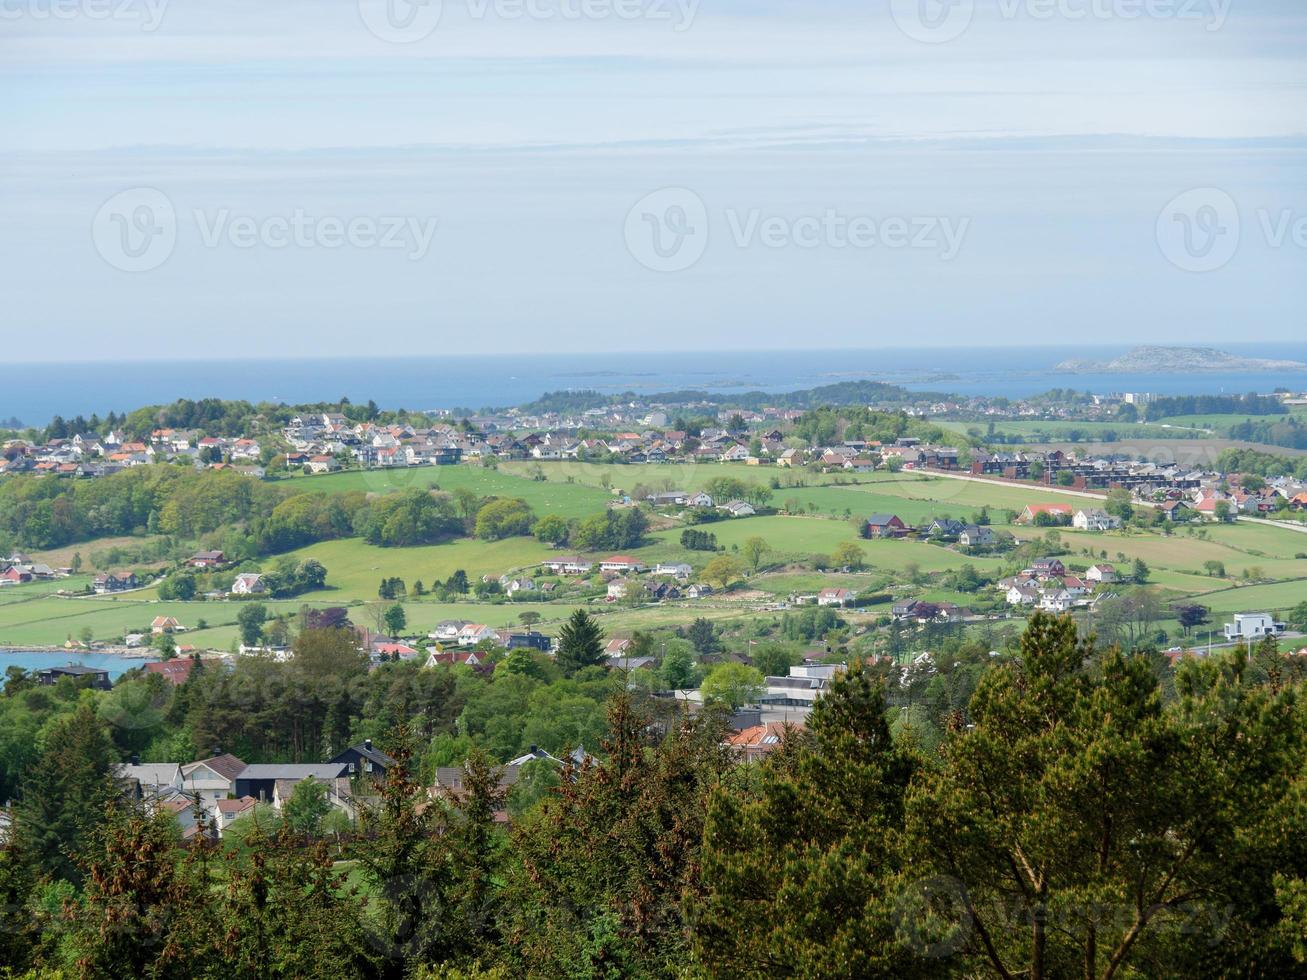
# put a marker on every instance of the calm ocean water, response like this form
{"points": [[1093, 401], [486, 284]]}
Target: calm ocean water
{"points": [[40, 659], [35, 393]]}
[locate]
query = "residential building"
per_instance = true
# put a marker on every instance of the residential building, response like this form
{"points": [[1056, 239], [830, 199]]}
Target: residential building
{"points": [[885, 526], [834, 597], [1252, 626]]}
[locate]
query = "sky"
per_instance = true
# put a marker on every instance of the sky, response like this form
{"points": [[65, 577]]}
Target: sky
{"points": [[312, 178]]}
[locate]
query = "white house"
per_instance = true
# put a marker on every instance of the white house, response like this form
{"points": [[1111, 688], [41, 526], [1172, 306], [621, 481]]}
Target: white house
{"points": [[738, 508], [834, 597], [621, 563], [1025, 594], [1055, 600], [1094, 519], [515, 585], [212, 780], [678, 569], [575, 565], [447, 631], [473, 633], [1101, 574], [1252, 626], [248, 583]]}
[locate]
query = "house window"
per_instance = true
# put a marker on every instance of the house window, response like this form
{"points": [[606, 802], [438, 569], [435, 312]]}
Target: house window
{"points": [[367, 766], [351, 768]]}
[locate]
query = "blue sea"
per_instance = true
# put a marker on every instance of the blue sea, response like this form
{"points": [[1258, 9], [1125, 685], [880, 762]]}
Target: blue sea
{"points": [[36, 393], [33, 660]]}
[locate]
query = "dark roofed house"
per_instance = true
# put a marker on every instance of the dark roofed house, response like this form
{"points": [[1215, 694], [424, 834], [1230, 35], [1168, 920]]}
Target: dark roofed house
{"points": [[364, 760], [206, 559], [91, 676], [260, 780], [885, 526]]}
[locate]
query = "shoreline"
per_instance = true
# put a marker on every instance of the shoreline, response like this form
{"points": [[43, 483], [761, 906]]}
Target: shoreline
{"points": [[114, 651]]}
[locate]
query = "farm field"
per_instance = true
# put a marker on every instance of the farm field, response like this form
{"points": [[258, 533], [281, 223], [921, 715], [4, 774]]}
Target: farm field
{"points": [[1298, 412], [32, 615], [1054, 429], [1256, 598], [545, 497], [355, 568]]}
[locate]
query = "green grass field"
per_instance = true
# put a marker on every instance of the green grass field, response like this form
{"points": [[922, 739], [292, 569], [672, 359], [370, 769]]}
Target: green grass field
{"points": [[33, 615], [1059, 431], [552, 497]]}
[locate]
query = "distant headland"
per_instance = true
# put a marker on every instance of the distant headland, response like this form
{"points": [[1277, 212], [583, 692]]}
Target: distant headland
{"points": [[1153, 360]]}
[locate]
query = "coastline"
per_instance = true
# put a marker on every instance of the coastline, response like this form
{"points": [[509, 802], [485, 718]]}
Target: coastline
{"points": [[135, 653]]}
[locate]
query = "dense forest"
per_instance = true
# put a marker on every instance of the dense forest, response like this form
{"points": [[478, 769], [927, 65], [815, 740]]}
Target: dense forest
{"points": [[1082, 812], [1249, 404], [841, 394]]}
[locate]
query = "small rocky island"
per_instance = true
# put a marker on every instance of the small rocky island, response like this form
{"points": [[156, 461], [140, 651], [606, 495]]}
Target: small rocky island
{"points": [[1174, 360]]}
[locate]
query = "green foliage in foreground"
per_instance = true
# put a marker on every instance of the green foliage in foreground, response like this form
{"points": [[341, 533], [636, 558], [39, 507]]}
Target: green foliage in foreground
{"points": [[1076, 819]]}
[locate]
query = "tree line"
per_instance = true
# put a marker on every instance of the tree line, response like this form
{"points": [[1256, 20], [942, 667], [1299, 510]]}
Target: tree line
{"points": [[1077, 817]]}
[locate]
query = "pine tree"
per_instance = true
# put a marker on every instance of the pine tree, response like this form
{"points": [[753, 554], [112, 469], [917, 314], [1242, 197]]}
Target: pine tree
{"points": [[609, 856], [580, 643], [144, 912], [65, 794], [795, 873]]}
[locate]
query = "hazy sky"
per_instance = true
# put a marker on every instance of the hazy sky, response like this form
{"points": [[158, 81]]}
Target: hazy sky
{"points": [[199, 178]]}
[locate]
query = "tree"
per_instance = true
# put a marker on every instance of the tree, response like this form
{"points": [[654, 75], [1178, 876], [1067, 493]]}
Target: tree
{"points": [[144, 912], [733, 684], [1079, 825], [1119, 503], [849, 555], [812, 835], [774, 659], [64, 795], [307, 805], [396, 620], [552, 529], [753, 550], [580, 643], [528, 618], [610, 854], [677, 671], [722, 571], [1141, 571], [250, 620], [703, 635], [503, 518], [1191, 615]]}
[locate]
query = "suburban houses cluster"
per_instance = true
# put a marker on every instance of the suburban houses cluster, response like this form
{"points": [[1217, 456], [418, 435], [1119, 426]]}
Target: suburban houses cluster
{"points": [[91, 455], [1047, 585]]}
